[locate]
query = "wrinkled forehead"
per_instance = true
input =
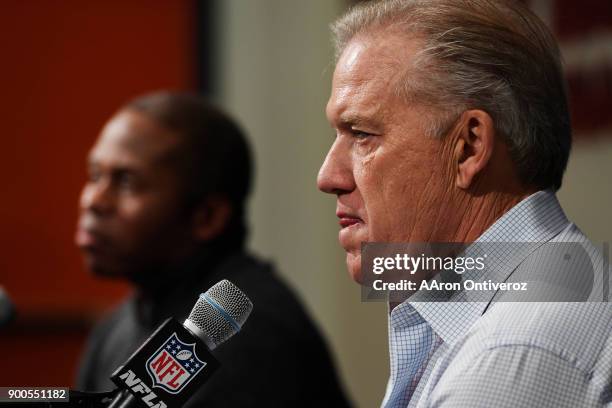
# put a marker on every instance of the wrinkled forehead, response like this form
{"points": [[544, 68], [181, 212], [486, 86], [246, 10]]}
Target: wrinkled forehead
{"points": [[369, 71]]}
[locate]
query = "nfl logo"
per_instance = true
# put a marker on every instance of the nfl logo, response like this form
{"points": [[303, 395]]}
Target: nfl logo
{"points": [[173, 365]]}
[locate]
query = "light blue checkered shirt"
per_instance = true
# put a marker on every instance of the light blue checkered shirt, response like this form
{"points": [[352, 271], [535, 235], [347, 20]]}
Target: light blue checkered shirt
{"points": [[527, 354]]}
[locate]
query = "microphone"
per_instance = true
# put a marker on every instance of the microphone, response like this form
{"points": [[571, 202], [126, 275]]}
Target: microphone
{"points": [[175, 360], [7, 310]]}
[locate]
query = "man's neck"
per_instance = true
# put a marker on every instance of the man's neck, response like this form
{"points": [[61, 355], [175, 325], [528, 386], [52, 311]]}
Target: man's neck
{"points": [[481, 212], [181, 275]]}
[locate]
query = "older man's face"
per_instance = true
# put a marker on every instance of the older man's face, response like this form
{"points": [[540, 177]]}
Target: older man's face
{"points": [[391, 180]]}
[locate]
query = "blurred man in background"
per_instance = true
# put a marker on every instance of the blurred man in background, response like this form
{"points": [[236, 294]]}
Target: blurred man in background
{"points": [[164, 207], [452, 125]]}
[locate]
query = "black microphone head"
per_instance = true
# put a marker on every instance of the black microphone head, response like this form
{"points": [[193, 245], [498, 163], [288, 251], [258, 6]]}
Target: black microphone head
{"points": [[7, 310], [219, 313]]}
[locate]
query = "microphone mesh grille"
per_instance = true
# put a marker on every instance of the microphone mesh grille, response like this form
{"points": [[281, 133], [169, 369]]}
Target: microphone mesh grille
{"points": [[207, 317]]}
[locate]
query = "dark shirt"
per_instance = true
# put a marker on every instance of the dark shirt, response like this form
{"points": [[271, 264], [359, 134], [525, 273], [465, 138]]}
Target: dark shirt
{"points": [[278, 359]]}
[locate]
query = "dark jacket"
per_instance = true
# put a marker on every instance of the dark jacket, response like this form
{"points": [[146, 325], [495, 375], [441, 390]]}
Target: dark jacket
{"points": [[278, 359]]}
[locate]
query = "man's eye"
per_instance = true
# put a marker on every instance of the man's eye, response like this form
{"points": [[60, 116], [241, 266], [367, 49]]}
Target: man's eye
{"points": [[360, 134], [126, 181], [93, 176]]}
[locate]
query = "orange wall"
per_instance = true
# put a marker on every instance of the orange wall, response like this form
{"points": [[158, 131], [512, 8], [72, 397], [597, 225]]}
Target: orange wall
{"points": [[65, 67]]}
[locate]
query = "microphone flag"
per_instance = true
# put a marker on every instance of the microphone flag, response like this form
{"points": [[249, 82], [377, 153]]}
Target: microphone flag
{"points": [[168, 368]]}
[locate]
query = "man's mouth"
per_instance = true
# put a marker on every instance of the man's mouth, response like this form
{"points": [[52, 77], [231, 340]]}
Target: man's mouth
{"points": [[347, 220], [87, 239]]}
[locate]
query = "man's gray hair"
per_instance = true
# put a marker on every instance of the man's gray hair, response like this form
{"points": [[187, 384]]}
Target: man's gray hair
{"points": [[493, 55]]}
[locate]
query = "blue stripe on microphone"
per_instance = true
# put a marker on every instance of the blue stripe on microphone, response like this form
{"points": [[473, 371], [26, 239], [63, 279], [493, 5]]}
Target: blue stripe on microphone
{"points": [[223, 313]]}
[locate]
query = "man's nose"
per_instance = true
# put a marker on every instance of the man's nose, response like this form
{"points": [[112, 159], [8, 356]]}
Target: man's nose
{"points": [[97, 197], [335, 175]]}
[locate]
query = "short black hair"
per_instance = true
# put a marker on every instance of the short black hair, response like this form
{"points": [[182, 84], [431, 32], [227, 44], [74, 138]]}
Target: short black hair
{"points": [[214, 156]]}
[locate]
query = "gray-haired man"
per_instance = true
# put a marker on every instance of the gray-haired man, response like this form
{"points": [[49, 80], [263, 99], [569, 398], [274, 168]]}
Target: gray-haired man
{"points": [[452, 126]]}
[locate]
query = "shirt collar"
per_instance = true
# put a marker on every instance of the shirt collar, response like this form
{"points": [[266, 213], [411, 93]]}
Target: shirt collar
{"points": [[536, 219]]}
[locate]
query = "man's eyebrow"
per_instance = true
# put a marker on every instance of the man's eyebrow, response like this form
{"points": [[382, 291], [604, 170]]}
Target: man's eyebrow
{"points": [[92, 163], [353, 119]]}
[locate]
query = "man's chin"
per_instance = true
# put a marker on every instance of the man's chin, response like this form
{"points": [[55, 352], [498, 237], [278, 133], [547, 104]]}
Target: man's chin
{"points": [[103, 269], [353, 264]]}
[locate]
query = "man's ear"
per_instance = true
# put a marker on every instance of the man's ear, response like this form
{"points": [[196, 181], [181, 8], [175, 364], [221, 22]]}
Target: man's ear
{"points": [[211, 218], [473, 146]]}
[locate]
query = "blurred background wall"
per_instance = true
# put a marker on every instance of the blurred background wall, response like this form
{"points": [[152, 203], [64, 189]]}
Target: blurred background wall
{"points": [[67, 65], [276, 64]]}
